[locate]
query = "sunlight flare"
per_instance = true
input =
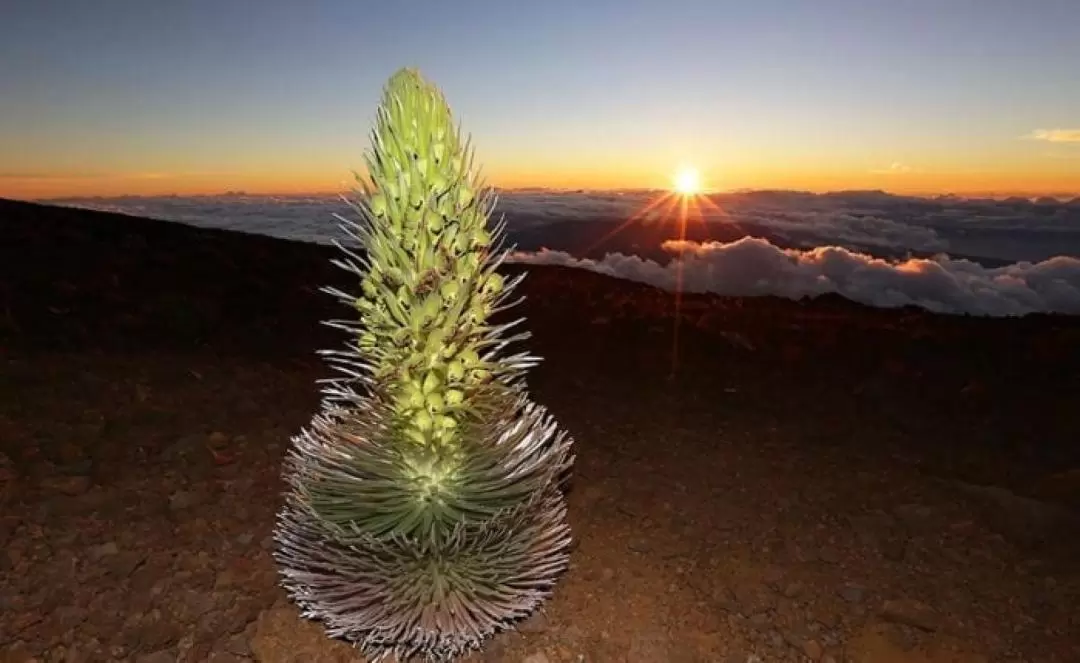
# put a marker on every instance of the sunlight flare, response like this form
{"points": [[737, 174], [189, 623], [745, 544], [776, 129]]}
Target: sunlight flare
{"points": [[688, 181]]}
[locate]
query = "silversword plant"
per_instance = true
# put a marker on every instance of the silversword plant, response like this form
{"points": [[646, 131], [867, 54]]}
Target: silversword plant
{"points": [[424, 509]]}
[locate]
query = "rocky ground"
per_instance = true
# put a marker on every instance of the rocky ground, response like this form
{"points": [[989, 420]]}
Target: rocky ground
{"points": [[757, 480]]}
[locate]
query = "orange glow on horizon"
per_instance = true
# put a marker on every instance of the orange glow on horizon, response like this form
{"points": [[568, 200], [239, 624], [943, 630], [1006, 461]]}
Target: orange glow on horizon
{"points": [[1028, 183]]}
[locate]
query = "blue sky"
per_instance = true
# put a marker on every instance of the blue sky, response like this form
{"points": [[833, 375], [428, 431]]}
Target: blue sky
{"points": [[119, 95]]}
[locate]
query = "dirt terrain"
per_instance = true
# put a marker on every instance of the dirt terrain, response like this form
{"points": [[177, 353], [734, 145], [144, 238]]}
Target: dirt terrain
{"points": [[757, 479]]}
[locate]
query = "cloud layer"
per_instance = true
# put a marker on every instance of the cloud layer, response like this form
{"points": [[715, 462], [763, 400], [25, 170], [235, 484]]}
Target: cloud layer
{"points": [[753, 266], [795, 243]]}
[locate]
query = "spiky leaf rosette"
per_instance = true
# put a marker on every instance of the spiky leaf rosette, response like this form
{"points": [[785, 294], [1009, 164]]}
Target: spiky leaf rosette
{"points": [[425, 509]]}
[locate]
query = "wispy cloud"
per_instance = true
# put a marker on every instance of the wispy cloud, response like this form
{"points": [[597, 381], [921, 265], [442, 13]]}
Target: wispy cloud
{"points": [[895, 168], [1056, 135]]}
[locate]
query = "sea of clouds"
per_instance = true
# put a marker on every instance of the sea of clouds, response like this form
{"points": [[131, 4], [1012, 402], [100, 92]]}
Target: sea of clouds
{"points": [[1019, 256]]}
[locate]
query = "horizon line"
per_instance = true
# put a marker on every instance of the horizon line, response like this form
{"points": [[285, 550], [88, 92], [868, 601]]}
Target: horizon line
{"points": [[1060, 196]]}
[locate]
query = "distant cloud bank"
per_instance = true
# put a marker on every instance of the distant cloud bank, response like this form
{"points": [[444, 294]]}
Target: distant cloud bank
{"points": [[753, 266], [795, 243]]}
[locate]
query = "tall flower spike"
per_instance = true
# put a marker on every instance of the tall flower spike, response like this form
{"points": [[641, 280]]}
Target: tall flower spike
{"points": [[424, 509]]}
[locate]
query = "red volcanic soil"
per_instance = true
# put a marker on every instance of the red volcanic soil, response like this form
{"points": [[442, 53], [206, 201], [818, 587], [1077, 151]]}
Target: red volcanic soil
{"points": [[758, 479]]}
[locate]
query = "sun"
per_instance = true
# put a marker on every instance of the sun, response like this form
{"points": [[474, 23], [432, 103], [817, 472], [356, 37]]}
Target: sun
{"points": [[688, 181]]}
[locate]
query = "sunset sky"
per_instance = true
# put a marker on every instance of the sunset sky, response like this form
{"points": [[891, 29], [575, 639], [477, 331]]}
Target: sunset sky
{"points": [[912, 96]]}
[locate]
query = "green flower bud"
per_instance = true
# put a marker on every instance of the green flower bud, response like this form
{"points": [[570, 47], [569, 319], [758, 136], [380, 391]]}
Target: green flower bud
{"points": [[435, 402], [445, 206], [432, 304], [423, 421], [455, 370], [377, 204], [434, 222], [449, 290], [493, 284], [415, 400], [462, 243], [454, 397], [469, 358], [431, 382]]}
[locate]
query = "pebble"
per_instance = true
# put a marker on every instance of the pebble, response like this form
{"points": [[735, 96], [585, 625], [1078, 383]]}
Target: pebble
{"points": [[910, 613], [853, 593], [73, 485], [104, 550], [537, 622], [185, 499]]}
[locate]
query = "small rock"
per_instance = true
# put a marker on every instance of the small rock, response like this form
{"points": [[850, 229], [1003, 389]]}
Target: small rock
{"points": [[104, 550], [910, 613], [73, 485], [67, 617], [760, 621], [797, 636], [536, 657], [752, 598], [813, 650], [124, 564], [640, 545], [829, 556], [852, 593], [156, 631], [534, 623], [773, 577], [793, 589], [190, 604], [185, 499], [236, 644]]}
